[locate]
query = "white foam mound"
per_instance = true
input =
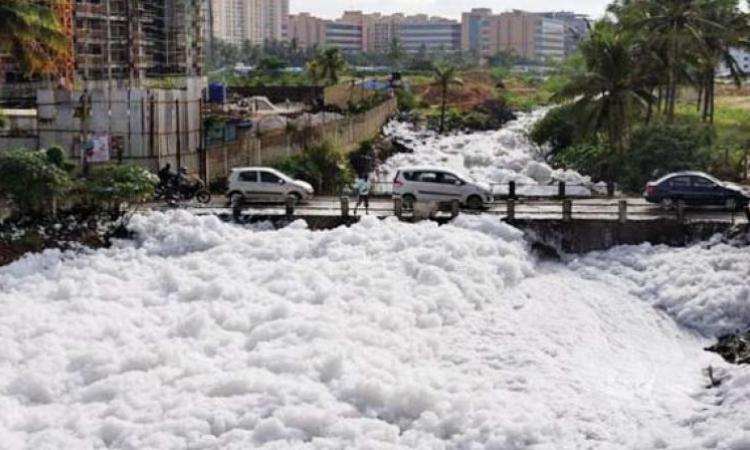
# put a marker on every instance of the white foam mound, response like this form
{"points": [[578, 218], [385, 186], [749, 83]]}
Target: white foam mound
{"points": [[383, 335], [705, 288], [495, 156]]}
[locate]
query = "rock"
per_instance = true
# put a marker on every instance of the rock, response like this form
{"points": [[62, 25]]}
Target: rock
{"points": [[735, 349]]}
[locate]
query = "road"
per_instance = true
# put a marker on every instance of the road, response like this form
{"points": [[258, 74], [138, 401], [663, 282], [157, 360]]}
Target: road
{"points": [[583, 209]]}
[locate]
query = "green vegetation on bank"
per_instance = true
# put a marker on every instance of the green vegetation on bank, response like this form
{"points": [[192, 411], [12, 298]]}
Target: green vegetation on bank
{"points": [[36, 183], [627, 115]]}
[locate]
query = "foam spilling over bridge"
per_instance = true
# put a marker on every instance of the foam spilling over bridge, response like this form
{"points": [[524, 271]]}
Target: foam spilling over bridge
{"points": [[570, 225]]}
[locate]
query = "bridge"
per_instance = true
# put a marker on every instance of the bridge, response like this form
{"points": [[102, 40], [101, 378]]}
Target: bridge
{"points": [[629, 209], [570, 225]]}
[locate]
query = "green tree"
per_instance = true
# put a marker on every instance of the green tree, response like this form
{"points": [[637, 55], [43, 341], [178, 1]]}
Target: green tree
{"points": [[32, 182], [32, 35], [728, 28], [331, 65], [314, 71], [323, 166], [112, 186], [444, 77], [611, 91], [396, 52], [272, 64]]}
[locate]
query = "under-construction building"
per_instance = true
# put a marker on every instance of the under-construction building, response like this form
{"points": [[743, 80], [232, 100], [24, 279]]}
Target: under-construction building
{"points": [[129, 41], [131, 81], [138, 39]]}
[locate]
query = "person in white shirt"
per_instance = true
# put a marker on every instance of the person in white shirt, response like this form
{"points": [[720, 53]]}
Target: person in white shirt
{"points": [[362, 191]]}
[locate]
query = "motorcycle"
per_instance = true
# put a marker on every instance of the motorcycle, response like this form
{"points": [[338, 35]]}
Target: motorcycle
{"points": [[195, 190], [182, 190]]}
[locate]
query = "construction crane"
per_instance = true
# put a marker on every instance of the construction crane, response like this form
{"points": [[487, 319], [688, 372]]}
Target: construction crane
{"points": [[64, 10]]}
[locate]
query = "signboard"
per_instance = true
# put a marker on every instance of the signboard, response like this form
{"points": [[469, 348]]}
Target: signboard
{"points": [[96, 147]]}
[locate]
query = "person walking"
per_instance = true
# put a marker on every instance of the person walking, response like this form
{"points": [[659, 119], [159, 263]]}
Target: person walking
{"points": [[362, 191]]}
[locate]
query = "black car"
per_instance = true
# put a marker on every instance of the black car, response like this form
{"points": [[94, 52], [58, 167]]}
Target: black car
{"points": [[696, 188]]}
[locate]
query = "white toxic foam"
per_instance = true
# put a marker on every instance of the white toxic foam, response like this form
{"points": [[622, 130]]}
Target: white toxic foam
{"points": [[382, 335]]}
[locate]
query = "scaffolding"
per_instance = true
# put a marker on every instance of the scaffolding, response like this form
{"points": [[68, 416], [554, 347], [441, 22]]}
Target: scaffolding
{"points": [[64, 11], [128, 41]]}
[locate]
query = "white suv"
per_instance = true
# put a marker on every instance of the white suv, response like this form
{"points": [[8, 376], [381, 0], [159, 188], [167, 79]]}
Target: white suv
{"points": [[431, 184], [264, 184]]}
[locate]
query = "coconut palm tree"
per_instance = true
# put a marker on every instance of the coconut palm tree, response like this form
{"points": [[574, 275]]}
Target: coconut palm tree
{"points": [[729, 28], [396, 53], [680, 26], [32, 35], [612, 90], [444, 77], [331, 64]]}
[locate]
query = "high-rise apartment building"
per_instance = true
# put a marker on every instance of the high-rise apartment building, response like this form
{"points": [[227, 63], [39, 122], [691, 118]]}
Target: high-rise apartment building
{"points": [[256, 21], [358, 32], [306, 30], [576, 28], [431, 34], [528, 35]]}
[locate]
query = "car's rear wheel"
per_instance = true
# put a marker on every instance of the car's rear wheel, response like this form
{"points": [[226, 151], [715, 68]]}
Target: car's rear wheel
{"points": [[475, 202], [236, 198], [408, 201]]}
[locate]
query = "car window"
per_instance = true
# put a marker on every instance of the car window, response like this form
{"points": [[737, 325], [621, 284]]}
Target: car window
{"points": [[703, 183], [427, 177], [268, 177], [679, 182], [409, 176], [250, 177], [447, 178]]}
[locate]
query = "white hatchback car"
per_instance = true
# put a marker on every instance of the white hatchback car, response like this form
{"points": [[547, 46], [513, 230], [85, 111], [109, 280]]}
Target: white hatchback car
{"points": [[264, 184], [432, 184]]}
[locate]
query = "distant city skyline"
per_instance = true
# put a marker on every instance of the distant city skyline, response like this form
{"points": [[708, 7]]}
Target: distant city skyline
{"points": [[330, 9]]}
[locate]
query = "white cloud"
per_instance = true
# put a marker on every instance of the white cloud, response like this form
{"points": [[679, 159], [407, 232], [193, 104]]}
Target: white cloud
{"points": [[449, 8]]}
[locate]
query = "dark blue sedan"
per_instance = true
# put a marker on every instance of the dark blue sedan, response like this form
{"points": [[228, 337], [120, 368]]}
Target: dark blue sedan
{"points": [[696, 188]]}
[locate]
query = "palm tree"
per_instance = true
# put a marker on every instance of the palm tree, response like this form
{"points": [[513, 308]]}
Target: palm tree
{"points": [[680, 27], [396, 52], [32, 35], [444, 77], [612, 90], [728, 29], [331, 64]]}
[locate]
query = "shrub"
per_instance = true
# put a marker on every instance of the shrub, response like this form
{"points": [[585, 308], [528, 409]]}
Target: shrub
{"points": [[32, 182], [407, 101], [111, 186], [362, 159], [590, 159], [323, 166], [660, 148], [555, 129]]}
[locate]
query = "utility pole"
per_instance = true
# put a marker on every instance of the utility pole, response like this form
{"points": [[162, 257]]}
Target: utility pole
{"points": [[83, 112]]}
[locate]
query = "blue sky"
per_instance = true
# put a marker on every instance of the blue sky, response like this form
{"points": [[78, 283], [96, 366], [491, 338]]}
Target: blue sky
{"points": [[448, 8]]}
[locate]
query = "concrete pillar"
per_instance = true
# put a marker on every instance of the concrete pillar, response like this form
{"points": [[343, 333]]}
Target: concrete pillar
{"points": [[567, 212], [622, 211], [398, 206], [511, 213], [455, 208], [561, 189], [289, 203], [344, 206], [512, 190]]}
